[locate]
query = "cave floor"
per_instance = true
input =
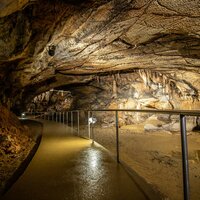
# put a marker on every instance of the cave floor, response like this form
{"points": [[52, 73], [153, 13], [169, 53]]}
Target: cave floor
{"points": [[68, 167]]}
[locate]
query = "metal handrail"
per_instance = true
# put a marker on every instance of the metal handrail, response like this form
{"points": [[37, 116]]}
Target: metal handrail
{"points": [[184, 146], [175, 112], [182, 114], [60, 117]]}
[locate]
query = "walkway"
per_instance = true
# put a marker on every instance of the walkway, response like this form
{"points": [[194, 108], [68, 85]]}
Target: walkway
{"points": [[70, 168]]}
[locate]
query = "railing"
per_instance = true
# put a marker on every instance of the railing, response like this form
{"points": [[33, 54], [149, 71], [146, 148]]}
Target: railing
{"points": [[68, 119], [184, 146]]}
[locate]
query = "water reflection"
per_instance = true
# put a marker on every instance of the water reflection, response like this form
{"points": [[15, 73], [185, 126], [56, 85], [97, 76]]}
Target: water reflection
{"points": [[91, 174], [94, 158]]}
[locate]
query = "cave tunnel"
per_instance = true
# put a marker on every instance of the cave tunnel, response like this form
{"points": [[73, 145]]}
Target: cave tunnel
{"points": [[99, 100]]}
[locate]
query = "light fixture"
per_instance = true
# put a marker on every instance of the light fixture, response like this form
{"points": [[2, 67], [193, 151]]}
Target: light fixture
{"points": [[23, 115], [92, 120]]}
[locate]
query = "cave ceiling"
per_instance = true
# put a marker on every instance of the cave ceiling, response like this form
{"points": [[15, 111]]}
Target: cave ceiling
{"points": [[45, 44]]}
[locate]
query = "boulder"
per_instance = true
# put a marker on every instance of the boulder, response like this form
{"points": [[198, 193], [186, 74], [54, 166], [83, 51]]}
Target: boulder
{"points": [[151, 127]]}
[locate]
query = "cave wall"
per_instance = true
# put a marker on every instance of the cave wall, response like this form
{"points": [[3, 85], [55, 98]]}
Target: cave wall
{"points": [[51, 44], [139, 89], [142, 89], [42, 40], [15, 144], [51, 101], [137, 54], [13, 135]]}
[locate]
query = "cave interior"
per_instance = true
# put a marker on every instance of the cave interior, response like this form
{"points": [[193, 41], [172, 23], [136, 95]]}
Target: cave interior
{"points": [[63, 55]]}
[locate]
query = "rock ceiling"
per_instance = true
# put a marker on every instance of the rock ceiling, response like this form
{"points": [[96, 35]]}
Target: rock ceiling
{"points": [[46, 44]]}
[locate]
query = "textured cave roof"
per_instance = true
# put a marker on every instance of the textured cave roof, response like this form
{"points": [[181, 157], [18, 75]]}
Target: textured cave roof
{"points": [[45, 44]]}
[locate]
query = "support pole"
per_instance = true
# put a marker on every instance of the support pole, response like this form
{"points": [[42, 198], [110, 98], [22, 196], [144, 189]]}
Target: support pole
{"points": [[63, 117], [72, 121], [185, 164], [117, 134], [67, 116], [92, 129], [89, 133], [78, 123], [60, 117]]}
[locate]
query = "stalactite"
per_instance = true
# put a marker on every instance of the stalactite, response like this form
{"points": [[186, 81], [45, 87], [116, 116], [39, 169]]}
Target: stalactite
{"points": [[39, 97], [143, 76], [167, 84], [35, 99], [118, 75], [43, 96], [118, 78], [98, 79], [47, 96], [148, 74], [167, 88], [114, 87]]}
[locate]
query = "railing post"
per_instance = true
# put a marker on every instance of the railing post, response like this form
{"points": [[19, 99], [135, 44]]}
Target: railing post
{"points": [[72, 121], [92, 129], [60, 117], [78, 123], [63, 117], [89, 133], [67, 117], [185, 164], [117, 134]]}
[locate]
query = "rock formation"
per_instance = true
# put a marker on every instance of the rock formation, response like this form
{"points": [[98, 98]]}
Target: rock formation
{"points": [[15, 144], [49, 44], [136, 54]]}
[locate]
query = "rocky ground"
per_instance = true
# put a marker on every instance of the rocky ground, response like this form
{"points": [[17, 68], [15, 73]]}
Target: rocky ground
{"points": [[15, 145], [156, 156]]}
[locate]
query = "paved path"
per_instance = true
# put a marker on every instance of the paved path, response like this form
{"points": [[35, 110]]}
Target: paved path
{"points": [[70, 168]]}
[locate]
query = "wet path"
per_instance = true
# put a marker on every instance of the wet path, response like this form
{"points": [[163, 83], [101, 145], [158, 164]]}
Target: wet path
{"points": [[70, 168]]}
